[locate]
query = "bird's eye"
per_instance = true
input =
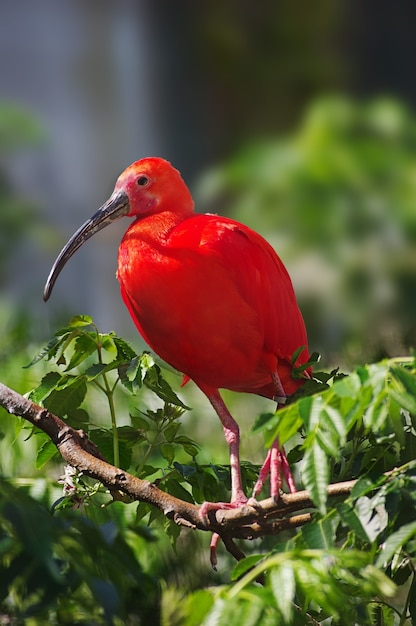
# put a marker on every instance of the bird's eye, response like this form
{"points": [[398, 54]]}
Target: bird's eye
{"points": [[142, 181]]}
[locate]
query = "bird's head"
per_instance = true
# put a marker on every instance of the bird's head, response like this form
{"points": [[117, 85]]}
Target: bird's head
{"points": [[152, 185], [146, 187]]}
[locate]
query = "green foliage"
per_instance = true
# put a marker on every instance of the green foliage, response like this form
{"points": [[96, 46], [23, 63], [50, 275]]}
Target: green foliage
{"points": [[67, 569], [337, 199], [90, 360], [343, 567]]}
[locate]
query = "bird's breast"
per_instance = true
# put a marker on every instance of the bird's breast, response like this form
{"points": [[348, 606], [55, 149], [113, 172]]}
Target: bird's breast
{"points": [[189, 310]]}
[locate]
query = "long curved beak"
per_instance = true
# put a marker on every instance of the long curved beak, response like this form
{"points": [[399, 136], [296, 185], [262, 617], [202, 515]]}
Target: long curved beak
{"points": [[115, 207]]}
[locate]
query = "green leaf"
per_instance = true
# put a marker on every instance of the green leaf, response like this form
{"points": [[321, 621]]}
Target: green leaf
{"points": [[103, 439], [49, 382], [131, 374], [184, 470], [175, 489], [168, 452], [197, 606], [84, 346], [395, 542], [78, 418], [321, 533], [47, 352], [139, 422], [98, 369], [170, 432], [46, 452], [108, 345], [283, 584], [283, 424], [154, 381], [79, 321], [69, 397], [315, 475], [130, 435], [406, 378], [124, 351], [246, 564], [351, 520]]}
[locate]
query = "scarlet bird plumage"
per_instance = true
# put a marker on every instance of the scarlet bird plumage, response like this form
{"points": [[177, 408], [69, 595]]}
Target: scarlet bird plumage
{"points": [[209, 295]]}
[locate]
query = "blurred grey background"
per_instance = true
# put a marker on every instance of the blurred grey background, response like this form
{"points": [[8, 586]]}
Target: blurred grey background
{"points": [[296, 118]]}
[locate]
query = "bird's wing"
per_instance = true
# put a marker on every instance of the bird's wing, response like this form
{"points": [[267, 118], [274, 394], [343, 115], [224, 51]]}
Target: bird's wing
{"points": [[262, 280]]}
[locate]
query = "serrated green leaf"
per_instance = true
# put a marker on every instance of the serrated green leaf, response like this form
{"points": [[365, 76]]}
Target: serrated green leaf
{"points": [[351, 520], [78, 321], [246, 564], [348, 387], [131, 374], [170, 432], [321, 533], [78, 418], [372, 515], [67, 398], [139, 422], [46, 452], [129, 435], [47, 351], [284, 424], [190, 449], [176, 489], [404, 400], [103, 439], [49, 382], [328, 443], [283, 584], [155, 382], [315, 475], [84, 346], [168, 452], [124, 351], [108, 345], [406, 378], [376, 413], [184, 470], [395, 542], [98, 369]]}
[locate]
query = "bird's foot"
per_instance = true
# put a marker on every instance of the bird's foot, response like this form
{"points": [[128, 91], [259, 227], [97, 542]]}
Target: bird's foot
{"points": [[206, 507], [276, 464]]}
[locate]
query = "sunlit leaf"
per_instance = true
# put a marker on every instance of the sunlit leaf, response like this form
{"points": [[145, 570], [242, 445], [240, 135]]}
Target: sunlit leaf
{"points": [[79, 321], [282, 581], [315, 475], [84, 346], [396, 542]]}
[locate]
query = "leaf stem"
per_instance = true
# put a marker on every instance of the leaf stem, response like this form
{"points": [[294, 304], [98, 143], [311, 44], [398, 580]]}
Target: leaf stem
{"points": [[109, 392]]}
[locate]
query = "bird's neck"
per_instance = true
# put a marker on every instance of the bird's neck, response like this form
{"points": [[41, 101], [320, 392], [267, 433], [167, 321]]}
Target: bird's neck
{"points": [[157, 227]]}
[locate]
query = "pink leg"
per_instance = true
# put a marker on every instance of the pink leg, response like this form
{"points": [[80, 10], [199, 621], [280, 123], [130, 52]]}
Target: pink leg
{"points": [[238, 497], [232, 436], [276, 462]]}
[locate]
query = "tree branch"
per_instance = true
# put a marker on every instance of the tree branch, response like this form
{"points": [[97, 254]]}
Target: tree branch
{"points": [[255, 519]]}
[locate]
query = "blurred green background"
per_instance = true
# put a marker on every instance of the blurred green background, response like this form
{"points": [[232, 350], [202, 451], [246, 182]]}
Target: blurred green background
{"points": [[296, 118]]}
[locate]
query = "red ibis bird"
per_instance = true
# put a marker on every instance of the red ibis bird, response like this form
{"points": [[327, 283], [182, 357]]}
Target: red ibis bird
{"points": [[209, 295]]}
